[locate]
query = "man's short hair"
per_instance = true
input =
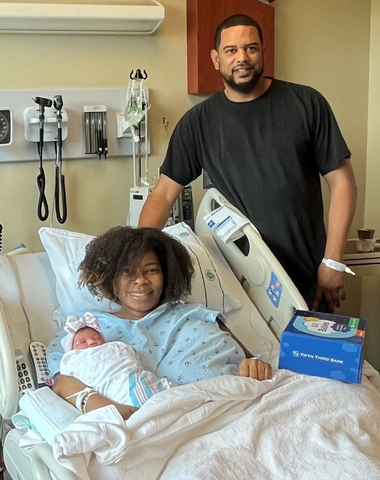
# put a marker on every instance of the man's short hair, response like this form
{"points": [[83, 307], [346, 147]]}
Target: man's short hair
{"points": [[235, 21]]}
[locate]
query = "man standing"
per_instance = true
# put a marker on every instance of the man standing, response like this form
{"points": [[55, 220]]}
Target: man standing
{"points": [[264, 144]]}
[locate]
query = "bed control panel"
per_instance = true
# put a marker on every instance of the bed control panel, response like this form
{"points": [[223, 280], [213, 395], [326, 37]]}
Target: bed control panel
{"points": [[38, 352], [25, 380]]}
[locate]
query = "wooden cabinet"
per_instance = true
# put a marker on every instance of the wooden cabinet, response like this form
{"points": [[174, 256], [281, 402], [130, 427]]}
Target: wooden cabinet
{"points": [[203, 17]]}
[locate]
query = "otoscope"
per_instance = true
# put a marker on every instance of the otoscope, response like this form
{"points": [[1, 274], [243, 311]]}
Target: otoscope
{"points": [[59, 177], [41, 182]]}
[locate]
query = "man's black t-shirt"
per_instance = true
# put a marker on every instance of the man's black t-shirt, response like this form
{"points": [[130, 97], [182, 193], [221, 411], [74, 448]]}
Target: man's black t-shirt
{"points": [[265, 157]]}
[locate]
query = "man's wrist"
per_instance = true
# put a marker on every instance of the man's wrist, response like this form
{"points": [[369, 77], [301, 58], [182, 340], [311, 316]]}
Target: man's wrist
{"points": [[338, 266]]}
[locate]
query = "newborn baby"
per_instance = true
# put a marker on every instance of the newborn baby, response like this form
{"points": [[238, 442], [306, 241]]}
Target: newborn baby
{"points": [[111, 369]]}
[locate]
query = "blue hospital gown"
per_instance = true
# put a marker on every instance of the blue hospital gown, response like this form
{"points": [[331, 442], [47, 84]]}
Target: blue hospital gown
{"points": [[182, 343]]}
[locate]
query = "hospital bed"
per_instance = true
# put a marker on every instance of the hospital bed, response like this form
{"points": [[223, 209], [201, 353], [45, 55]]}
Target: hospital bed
{"points": [[293, 426]]}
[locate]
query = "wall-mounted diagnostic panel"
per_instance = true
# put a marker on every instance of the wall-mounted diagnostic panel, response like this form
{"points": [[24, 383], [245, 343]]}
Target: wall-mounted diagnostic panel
{"points": [[21, 123], [5, 126]]}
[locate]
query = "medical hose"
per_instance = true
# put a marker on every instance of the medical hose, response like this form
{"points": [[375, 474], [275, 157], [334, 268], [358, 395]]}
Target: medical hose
{"points": [[41, 183], [60, 184]]}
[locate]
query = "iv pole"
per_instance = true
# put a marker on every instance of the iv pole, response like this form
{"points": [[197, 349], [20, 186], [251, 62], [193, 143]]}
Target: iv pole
{"points": [[135, 112]]}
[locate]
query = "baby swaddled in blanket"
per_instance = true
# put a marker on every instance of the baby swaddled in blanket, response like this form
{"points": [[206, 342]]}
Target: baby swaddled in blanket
{"points": [[112, 369]]}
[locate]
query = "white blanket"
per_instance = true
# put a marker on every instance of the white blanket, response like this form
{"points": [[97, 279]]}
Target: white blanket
{"points": [[291, 427], [115, 371]]}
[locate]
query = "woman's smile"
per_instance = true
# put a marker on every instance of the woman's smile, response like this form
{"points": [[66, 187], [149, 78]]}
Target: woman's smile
{"points": [[141, 295]]}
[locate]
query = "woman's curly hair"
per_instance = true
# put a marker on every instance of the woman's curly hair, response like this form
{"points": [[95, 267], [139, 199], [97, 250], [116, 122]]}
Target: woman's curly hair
{"points": [[121, 249]]}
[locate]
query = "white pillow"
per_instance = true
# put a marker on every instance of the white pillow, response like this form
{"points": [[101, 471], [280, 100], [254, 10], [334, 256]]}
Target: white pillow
{"points": [[66, 250], [207, 286]]}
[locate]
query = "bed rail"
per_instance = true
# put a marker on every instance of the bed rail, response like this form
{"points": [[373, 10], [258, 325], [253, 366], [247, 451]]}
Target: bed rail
{"points": [[259, 271], [38, 460], [9, 393]]}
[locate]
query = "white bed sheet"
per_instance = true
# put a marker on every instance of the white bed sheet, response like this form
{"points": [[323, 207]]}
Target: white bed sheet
{"points": [[291, 427]]}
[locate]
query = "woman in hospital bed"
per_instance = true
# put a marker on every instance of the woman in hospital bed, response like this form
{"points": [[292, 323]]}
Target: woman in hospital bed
{"points": [[149, 273]]}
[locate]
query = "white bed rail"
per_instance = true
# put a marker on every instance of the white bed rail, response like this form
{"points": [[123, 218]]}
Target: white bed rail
{"points": [[256, 270], [38, 460], [9, 392]]}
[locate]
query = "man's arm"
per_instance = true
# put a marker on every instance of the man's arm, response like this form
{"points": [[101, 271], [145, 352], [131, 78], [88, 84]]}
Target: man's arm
{"points": [[343, 194], [159, 203]]}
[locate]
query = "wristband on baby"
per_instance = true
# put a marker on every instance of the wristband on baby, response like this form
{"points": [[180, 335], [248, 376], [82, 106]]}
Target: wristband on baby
{"points": [[339, 267]]}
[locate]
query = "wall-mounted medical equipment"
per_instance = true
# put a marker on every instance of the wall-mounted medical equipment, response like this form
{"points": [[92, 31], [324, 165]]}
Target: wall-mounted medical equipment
{"points": [[41, 127], [95, 130], [183, 209], [175, 215], [131, 17], [31, 117], [137, 198], [134, 122], [136, 106], [6, 129], [72, 128], [187, 206], [43, 207], [59, 188]]}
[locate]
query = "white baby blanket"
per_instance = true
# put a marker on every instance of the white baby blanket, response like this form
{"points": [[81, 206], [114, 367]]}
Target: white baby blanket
{"points": [[113, 370]]}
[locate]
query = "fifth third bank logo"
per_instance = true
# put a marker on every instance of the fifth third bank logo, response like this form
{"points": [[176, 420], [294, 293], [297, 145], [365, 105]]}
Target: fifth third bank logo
{"points": [[296, 353]]}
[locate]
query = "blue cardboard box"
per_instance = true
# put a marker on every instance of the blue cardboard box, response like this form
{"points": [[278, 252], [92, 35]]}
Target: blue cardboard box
{"points": [[325, 345]]}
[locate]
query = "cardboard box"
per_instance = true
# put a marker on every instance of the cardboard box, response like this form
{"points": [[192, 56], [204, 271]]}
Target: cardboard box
{"points": [[325, 345]]}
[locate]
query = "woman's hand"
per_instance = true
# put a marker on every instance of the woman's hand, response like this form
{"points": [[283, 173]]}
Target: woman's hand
{"points": [[254, 368]]}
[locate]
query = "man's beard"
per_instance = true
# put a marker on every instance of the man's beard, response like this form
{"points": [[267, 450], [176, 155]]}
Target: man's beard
{"points": [[244, 87]]}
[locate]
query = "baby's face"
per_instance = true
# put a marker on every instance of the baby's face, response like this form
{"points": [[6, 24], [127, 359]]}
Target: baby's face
{"points": [[86, 338]]}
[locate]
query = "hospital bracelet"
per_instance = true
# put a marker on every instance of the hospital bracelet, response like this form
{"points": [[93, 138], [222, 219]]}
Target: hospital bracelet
{"points": [[258, 357], [82, 398], [339, 267], [85, 400]]}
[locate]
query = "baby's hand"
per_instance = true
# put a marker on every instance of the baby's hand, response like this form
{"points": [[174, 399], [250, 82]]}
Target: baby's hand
{"points": [[254, 368]]}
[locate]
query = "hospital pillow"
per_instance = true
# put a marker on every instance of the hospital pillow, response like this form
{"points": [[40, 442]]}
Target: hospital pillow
{"points": [[66, 250], [207, 286]]}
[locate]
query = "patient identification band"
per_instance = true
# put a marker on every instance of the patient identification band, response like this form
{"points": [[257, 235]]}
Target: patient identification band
{"points": [[339, 267], [225, 223]]}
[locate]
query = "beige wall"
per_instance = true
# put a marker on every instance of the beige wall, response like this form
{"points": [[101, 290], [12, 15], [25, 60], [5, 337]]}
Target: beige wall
{"points": [[372, 198], [322, 43]]}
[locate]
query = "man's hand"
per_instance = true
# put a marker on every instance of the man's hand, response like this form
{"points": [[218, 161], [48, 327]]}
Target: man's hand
{"points": [[330, 286], [255, 369]]}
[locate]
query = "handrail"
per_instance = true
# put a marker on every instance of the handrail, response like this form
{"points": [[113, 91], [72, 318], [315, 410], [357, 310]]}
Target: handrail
{"points": [[9, 393]]}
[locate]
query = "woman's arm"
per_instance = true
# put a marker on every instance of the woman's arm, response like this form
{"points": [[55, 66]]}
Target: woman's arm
{"points": [[224, 327], [64, 386], [250, 367]]}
